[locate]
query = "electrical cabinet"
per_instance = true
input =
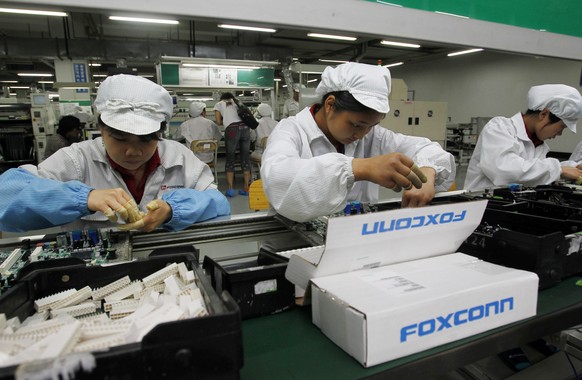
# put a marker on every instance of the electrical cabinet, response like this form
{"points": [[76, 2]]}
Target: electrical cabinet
{"points": [[418, 118]]}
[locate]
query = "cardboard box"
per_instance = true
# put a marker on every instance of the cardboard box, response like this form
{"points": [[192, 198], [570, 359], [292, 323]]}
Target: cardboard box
{"points": [[393, 311]]}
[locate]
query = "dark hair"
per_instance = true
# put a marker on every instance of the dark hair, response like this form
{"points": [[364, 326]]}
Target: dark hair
{"points": [[553, 118], [145, 138], [344, 101], [67, 124], [227, 96]]}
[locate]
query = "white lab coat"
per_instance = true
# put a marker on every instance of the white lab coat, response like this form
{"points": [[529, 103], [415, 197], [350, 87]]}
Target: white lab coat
{"points": [[87, 162], [305, 177], [576, 156], [264, 129], [290, 107], [504, 154], [200, 128]]}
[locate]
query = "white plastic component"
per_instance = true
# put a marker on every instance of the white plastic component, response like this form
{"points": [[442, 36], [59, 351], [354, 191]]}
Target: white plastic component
{"points": [[63, 341], [75, 310], [35, 254], [173, 286], [108, 306], [103, 329], [77, 297], [43, 304], [158, 288], [160, 275], [10, 260], [182, 271], [101, 343], [125, 292], [100, 293]]}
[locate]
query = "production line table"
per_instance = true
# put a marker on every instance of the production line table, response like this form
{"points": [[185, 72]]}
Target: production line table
{"points": [[289, 346]]}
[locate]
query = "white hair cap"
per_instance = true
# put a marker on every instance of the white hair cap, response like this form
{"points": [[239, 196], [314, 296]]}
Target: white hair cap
{"points": [[196, 108], [264, 109], [133, 104], [369, 84], [563, 101]]}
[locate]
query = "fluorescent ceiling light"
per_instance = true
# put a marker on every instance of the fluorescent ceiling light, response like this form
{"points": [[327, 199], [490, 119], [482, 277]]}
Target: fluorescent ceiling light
{"points": [[95, 64], [332, 61], [386, 3], [394, 64], [400, 44], [284, 85], [331, 36], [146, 75], [200, 99], [51, 96], [243, 27], [20, 87], [46, 81], [8, 81], [312, 80], [148, 20], [450, 14], [33, 12], [277, 79], [464, 52], [99, 75], [220, 66], [35, 74]]}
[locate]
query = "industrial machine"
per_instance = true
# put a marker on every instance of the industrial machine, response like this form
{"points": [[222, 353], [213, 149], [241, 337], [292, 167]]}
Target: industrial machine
{"points": [[43, 121], [16, 136]]}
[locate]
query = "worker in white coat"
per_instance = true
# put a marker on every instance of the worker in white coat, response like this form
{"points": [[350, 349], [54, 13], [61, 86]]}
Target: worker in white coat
{"points": [[198, 127], [291, 105], [335, 152], [576, 156], [513, 150], [130, 174], [264, 129]]}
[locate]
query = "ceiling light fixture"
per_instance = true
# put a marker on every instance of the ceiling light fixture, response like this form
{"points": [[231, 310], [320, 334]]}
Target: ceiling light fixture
{"points": [[450, 14], [46, 81], [95, 64], [243, 27], [8, 81], [99, 75], [19, 87], [394, 64], [331, 36], [35, 74], [399, 44], [464, 52], [312, 80], [147, 20], [33, 12], [332, 61]]}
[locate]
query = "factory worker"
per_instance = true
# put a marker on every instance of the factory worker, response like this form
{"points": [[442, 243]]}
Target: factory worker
{"points": [[68, 132], [335, 152], [264, 129], [106, 178], [512, 150], [291, 105], [200, 128], [576, 156]]}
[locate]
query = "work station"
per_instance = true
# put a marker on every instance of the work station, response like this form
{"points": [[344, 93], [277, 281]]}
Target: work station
{"points": [[364, 190]]}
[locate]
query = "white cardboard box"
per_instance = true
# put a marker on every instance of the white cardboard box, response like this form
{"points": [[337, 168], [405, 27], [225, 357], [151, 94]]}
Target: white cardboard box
{"points": [[384, 313]]}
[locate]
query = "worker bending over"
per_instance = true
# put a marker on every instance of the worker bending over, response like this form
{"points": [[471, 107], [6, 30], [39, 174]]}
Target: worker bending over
{"points": [[109, 177], [513, 150], [335, 152]]}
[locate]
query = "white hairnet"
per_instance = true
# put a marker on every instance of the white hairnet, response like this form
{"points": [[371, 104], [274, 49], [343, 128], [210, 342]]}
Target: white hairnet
{"points": [[369, 84], [264, 109], [563, 101], [133, 104], [196, 108]]}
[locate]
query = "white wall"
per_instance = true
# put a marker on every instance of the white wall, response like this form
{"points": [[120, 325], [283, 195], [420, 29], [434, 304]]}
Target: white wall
{"points": [[490, 84]]}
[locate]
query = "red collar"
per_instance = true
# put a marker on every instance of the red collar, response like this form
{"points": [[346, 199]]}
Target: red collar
{"points": [[534, 139], [137, 189]]}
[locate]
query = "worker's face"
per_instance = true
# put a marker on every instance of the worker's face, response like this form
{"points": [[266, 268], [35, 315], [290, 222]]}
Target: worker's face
{"points": [[127, 150], [546, 129], [73, 135], [348, 126], [296, 95]]}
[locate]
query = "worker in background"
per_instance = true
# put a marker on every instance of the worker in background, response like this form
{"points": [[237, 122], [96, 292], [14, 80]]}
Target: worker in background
{"points": [[335, 152], [200, 128], [291, 105], [236, 135], [266, 126], [576, 156], [68, 132], [109, 176], [513, 150]]}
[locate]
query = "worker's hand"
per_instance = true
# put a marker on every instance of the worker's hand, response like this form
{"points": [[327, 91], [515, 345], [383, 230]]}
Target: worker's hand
{"points": [[158, 213], [579, 167], [113, 202], [423, 196], [394, 171], [572, 174]]}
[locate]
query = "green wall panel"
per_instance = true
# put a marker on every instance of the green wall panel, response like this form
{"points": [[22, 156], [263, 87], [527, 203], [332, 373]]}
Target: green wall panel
{"points": [[563, 16]]}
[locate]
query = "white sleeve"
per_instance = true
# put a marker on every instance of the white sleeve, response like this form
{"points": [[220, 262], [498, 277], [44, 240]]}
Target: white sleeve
{"points": [[424, 152], [303, 188], [576, 155], [185, 131], [502, 162]]}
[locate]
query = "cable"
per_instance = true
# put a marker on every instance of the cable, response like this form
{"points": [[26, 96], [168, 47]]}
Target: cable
{"points": [[572, 365]]}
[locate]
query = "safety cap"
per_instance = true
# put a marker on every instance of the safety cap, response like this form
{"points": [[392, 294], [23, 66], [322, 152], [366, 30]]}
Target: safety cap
{"points": [[196, 108], [133, 104], [563, 101], [369, 84], [264, 109]]}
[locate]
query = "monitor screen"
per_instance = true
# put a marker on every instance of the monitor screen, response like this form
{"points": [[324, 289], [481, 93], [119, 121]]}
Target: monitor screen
{"points": [[37, 100]]}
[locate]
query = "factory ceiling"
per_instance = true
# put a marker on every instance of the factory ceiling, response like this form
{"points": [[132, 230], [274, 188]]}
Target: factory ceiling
{"points": [[33, 43]]}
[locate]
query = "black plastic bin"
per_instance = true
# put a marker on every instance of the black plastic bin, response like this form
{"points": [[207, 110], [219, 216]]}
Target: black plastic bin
{"points": [[208, 347]]}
